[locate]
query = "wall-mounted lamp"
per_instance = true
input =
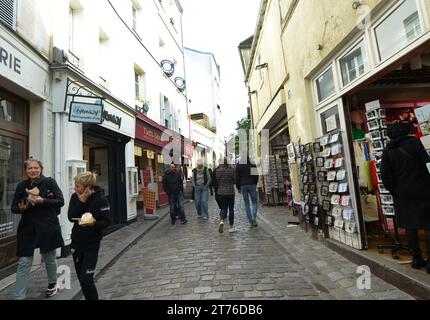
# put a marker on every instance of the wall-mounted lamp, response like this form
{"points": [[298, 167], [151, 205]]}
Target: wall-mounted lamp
{"points": [[357, 4], [320, 47], [252, 92], [261, 66]]}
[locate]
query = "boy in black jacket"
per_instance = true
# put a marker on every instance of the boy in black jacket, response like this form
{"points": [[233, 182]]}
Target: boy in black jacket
{"points": [[89, 210]]}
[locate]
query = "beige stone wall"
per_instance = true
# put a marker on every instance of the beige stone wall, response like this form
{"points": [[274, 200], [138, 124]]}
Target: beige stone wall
{"points": [[313, 22]]}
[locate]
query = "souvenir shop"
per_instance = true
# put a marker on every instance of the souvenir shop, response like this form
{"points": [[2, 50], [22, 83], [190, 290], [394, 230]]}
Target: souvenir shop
{"points": [[342, 196], [276, 190]]}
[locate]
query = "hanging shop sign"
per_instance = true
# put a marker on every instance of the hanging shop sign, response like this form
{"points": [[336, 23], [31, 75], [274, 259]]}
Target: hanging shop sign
{"points": [[86, 113]]}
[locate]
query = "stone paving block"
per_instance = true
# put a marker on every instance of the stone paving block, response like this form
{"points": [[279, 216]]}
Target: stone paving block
{"points": [[224, 288], [334, 276], [213, 296], [190, 297], [199, 290], [253, 294], [273, 294], [265, 287]]}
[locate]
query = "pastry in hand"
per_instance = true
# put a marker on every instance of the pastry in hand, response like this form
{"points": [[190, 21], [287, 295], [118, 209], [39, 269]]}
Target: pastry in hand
{"points": [[32, 195], [87, 218]]}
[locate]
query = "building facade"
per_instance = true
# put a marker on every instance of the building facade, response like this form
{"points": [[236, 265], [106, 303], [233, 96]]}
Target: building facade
{"points": [[355, 68]]}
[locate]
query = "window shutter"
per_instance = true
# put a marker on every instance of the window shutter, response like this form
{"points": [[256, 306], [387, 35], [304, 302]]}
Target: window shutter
{"points": [[8, 12]]}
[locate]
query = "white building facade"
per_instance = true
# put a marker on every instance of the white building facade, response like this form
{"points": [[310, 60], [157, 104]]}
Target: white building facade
{"points": [[203, 88], [116, 57]]}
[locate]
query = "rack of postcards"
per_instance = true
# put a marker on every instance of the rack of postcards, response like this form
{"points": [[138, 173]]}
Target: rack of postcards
{"points": [[274, 180], [376, 122], [334, 189], [311, 209]]}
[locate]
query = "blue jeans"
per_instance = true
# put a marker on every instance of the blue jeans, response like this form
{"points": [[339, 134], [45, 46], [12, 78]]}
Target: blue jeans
{"points": [[250, 191], [201, 199], [176, 202], [23, 272]]}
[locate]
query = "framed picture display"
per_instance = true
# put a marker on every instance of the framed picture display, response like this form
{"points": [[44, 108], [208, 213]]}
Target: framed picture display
{"points": [[382, 189], [324, 191], [306, 188], [312, 188], [384, 134], [343, 187], [337, 211], [311, 178], [372, 115], [348, 214], [328, 163], [317, 147], [378, 145], [379, 177], [332, 188], [373, 125], [336, 149], [291, 151], [382, 113], [314, 200], [309, 158], [387, 199], [335, 199], [309, 167], [334, 137], [338, 163], [307, 198], [302, 150], [324, 140], [320, 162], [305, 178], [339, 223], [350, 227], [376, 135], [321, 176], [383, 124], [340, 175], [326, 205], [378, 167], [345, 201], [388, 210], [331, 176], [308, 147], [326, 152], [315, 210], [306, 208], [329, 221]]}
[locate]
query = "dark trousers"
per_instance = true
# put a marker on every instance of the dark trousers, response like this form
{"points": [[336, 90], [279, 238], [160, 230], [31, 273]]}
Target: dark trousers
{"points": [[176, 203], [227, 204], [85, 260], [413, 242]]}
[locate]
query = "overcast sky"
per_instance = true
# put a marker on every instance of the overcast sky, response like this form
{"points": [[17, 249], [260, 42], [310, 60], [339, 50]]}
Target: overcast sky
{"points": [[218, 26]]}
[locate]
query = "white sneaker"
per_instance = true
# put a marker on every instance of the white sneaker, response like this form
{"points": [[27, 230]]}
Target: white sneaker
{"points": [[232, 229], [221, 227]]}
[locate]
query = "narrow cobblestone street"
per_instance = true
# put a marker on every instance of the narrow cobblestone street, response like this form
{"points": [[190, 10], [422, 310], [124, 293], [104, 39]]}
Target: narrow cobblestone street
{"points": [[194, 261]]}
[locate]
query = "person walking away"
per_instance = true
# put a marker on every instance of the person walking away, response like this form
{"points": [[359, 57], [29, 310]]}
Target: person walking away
{"points": [[215, 185], [201, 182], [404, 173], [246, 184], [38, 200], [89, 211], [174, 187], [225, 178], [211, 185]]}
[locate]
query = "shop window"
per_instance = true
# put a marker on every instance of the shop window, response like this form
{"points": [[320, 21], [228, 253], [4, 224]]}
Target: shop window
{"points": [[12, 153], [11, 112], [134, 15], [398, 29], [325, 85], [8, 13], [330, 120], [353, 64], [133, 182]]}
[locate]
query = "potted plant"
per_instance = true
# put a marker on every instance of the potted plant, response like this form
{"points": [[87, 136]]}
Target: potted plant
{"points": [[145, 106]]}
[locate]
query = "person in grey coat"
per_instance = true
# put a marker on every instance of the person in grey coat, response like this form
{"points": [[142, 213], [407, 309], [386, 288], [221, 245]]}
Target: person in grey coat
{"points": [[225, 181]]}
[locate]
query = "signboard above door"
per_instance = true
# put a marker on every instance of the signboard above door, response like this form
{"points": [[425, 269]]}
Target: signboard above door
{"points": [[86, 113]]}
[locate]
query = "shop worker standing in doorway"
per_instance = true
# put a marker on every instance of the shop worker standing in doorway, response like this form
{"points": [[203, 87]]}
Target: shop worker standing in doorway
{"points": [[404, 173]]}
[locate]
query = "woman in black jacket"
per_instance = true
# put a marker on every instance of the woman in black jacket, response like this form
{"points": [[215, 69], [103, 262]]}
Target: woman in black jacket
{"points": [[89, 210], [404, 173], [38, 200]]}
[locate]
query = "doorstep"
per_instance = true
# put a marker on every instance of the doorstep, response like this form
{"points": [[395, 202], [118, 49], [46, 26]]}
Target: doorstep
{"points": [[414, 282]]}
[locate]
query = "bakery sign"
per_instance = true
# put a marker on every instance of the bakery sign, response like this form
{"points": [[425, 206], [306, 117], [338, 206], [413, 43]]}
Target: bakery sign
{"points": [[86, 113]]}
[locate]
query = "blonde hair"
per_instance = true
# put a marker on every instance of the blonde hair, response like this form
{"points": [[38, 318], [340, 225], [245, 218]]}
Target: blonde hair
{"points": [[27, 162], [86, 179]]}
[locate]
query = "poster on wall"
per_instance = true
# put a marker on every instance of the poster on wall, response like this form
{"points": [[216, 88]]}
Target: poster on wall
{"points": [[331, 123], [423, 116]]}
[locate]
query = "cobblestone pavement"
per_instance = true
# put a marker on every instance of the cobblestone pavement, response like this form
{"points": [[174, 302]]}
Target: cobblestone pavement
{"points": [[273, 261]]}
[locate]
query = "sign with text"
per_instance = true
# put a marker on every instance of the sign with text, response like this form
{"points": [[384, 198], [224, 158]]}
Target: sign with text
{"points": [[86, 113]]}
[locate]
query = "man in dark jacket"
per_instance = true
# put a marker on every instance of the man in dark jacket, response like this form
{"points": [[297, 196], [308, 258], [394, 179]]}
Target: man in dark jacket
{"points": [[174, 187], [89, 210], [404, 173], [246, 183], [38, 200]]}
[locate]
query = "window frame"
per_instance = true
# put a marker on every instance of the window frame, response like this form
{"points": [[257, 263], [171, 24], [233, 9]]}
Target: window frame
{"points": [[333, 68], [361, 42], [383, 18]]}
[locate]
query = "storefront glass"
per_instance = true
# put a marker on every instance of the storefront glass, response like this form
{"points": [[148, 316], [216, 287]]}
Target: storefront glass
{"points": [[325, 85], [353, 65], [399, 29]]}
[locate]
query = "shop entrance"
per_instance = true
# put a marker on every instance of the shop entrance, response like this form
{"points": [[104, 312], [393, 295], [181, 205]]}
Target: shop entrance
{"points": [[105, 152]]}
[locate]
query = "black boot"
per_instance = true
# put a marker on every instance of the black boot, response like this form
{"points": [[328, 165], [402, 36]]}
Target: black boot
{"points": [[418, 262]]}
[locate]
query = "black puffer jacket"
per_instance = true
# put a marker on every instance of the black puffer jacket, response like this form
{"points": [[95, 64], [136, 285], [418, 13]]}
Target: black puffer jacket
{"points": [[39, 226], [98, 205], [243, 175], [172, 182], [405, 175]]}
